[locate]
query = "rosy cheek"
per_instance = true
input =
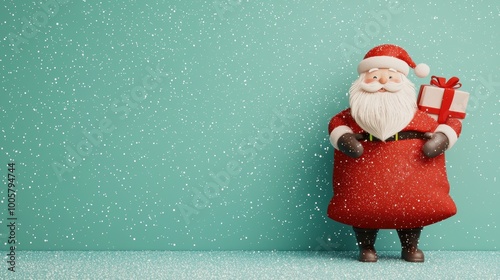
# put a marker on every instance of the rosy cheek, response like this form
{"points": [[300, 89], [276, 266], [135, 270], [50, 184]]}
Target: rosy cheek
{"points": [[368, 80]]}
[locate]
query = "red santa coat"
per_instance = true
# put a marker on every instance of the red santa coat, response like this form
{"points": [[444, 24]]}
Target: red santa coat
{"points": [[392, 185]]}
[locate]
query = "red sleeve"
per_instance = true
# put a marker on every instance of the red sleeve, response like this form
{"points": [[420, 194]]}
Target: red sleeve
{"points": [[455, 124], [342, 118]]}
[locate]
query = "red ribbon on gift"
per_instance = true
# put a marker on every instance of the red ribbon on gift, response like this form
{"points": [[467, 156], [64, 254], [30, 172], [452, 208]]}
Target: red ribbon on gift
{"points": [[449, 92], [442, 83]]}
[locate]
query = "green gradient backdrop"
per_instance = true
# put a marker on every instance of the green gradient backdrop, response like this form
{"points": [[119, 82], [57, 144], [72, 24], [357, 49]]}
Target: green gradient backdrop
{"points": [[226, 70]]}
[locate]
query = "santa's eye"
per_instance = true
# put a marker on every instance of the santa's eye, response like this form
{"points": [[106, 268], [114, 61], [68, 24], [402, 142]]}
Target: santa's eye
{"points": [[390, 77], [375, 77]]}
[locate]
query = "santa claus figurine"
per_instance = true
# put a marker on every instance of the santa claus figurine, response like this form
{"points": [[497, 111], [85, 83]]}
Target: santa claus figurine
{"points": [[389, 166]]}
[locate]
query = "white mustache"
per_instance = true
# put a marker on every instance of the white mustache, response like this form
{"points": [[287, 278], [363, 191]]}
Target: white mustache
{"points": [[376, 86]]}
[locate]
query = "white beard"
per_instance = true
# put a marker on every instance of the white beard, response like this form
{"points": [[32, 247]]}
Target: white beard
{"points": [[382, 114]]}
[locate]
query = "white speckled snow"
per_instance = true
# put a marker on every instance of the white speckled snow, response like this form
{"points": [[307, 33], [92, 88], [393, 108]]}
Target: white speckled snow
{"points": [[249, 265]]}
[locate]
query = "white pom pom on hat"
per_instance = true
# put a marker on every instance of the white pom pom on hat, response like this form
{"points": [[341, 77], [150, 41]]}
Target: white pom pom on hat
{"points": [[422, 70], [392, 56]]}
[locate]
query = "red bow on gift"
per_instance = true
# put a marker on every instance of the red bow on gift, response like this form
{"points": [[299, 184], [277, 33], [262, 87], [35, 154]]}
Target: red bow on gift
{"points": [[442, 83]]}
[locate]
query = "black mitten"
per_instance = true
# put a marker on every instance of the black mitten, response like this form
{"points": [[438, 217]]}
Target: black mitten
{"points": [[436, 145], [348, 144]]}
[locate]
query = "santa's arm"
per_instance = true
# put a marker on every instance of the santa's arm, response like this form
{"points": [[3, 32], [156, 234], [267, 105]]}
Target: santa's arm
{"points": [[443, 138], [337, 127], [342, 136], [451, 129]]}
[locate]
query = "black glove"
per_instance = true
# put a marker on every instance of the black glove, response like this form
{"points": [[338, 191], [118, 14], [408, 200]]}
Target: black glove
{"points": [[348, 144], [436, 145]]}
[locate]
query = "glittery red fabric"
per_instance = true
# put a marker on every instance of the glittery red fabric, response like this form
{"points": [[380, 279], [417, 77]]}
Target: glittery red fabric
{"points": [[392, 185]]}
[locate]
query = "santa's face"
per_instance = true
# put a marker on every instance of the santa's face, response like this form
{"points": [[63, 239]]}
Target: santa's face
{"points": [[380, 77], [383, 102]]}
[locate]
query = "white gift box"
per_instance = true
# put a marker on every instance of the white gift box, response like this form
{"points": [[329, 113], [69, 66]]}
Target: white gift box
{"points": [[442, 103]]}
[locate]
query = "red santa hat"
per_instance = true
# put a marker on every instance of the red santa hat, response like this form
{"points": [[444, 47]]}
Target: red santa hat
{"points": [[391, 56]]}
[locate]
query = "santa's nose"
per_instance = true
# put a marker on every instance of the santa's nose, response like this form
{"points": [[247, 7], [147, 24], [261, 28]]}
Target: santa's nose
{"points": [[383, 80]]}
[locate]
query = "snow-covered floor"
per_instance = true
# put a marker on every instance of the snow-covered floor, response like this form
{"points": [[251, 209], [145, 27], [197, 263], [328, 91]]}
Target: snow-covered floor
{"points": [[248, 265]]}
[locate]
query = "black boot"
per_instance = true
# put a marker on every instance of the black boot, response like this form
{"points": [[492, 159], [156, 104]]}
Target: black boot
{"points": [[409, 244], [366, 243]]}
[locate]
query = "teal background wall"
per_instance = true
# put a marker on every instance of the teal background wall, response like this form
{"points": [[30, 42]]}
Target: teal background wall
{"points": [[122, 118]]}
